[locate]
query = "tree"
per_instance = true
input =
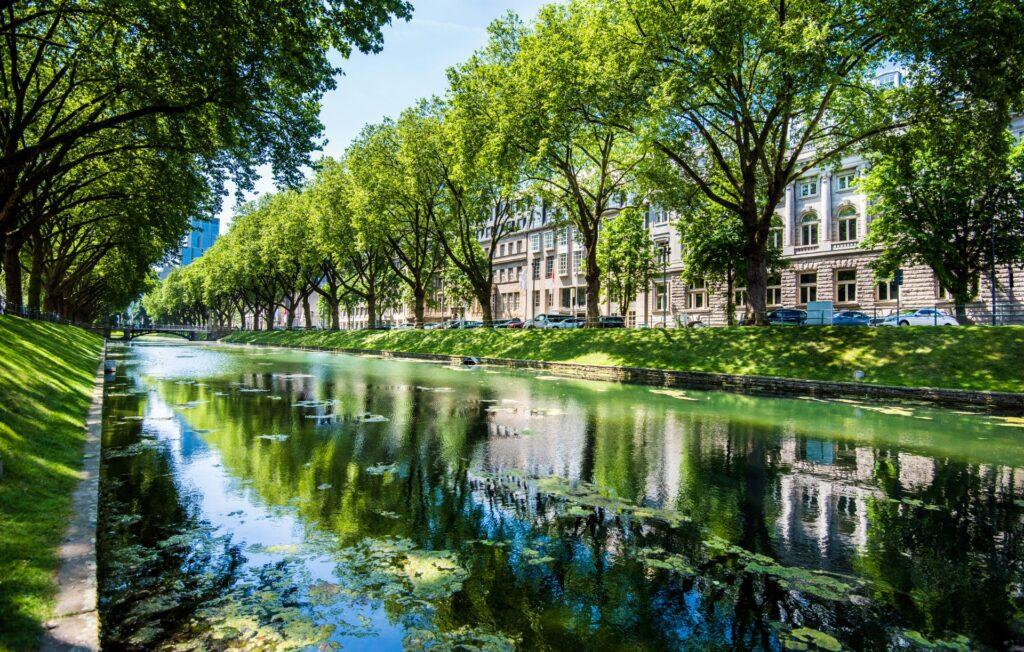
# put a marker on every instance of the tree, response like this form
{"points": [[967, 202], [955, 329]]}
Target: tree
{"points": [[949, 193], [552, 111], [232, 84], [745, 97], [395, 196], [626, 255]]}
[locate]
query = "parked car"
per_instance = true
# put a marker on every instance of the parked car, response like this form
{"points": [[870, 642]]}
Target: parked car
{"points": [[612, 321], [544, 321], [433, 326], [920, 317], [462, 323], [850, 318], [508, 323], [571, 322], [787, 316]]}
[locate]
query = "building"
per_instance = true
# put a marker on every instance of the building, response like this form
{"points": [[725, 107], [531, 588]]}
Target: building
{"points": [[204, 233]]}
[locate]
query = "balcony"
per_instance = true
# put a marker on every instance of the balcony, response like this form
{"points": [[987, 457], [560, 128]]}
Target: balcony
{"points": [[805, 249], [849, 244]]}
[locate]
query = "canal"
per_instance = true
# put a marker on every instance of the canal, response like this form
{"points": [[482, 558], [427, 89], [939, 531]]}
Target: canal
{"points": [[274, 499]]}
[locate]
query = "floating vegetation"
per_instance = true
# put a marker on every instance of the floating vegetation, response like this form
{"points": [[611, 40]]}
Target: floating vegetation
{"points": [[585, 494], [316, 404], [371, 418], [675, 393], [274, 437], [129, 451], [913, 638], [421, 388], [324, 487], [463, 638], [393, 569], [381, 469], [386, 514], [275, 549], [322, 419], [655, 557], [806, 638], [252, 390]]}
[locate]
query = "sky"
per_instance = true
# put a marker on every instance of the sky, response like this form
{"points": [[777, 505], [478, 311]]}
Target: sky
{"points": [[412, 65]]}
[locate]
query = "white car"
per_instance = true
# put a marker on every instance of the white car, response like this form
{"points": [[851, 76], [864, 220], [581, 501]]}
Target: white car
{"points": [[920, 317]]}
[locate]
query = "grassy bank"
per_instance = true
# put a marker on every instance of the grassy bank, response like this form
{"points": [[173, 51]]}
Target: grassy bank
{"points": [[974, 357], [46, 377]]}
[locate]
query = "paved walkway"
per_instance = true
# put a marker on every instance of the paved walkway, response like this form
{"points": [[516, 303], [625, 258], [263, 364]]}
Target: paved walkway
{"points": [[75, 624]]}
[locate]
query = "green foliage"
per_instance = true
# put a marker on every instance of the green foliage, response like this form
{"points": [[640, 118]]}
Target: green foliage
{"points": [[46, 378], [948, 193], [625, 254]]}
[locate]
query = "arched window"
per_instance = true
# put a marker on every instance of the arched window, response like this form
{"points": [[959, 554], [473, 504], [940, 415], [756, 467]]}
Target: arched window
{"points": [[809, 229], [846, 224]]}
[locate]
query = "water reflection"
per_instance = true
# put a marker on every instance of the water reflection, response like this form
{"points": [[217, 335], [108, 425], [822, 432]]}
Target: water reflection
{"points": [[283, 499]]}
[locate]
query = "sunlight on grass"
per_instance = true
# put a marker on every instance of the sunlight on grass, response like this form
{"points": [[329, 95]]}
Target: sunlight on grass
{"points": [[46, 375], [980, 358]]}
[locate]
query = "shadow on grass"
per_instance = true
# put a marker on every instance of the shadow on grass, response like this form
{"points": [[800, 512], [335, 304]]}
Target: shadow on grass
{"points": [[969, 357], [46, 375]]}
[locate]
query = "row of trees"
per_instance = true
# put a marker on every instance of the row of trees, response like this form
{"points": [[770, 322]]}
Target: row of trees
{"points": [[122, 119], [709, 108]]}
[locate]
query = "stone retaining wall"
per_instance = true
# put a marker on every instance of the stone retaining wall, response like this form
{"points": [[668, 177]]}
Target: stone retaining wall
{"points": [[762, 385]]}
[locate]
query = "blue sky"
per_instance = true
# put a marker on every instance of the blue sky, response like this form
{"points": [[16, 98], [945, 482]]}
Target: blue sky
{"points": [[412, 65]]}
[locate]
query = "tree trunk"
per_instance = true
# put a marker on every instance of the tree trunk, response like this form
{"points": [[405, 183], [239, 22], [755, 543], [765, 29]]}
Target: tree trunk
{"points": [[255, 319], [371, 310], [289, 315], [269, 318], [305, 311], [960, 306], [730, 303], [756, 256], [593, 287], [419, 306], [335, 315], [12, 274], [484, 298], [35, 276]]}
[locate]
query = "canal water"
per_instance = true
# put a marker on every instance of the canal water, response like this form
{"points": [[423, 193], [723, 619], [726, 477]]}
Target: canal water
{"points": [[274, 499]]}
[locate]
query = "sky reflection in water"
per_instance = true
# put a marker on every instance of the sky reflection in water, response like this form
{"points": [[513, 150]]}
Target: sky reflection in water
{"points": [[273, 499]]}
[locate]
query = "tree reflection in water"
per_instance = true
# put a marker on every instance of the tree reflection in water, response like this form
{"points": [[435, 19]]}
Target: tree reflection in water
{"points": [[547, 514]]}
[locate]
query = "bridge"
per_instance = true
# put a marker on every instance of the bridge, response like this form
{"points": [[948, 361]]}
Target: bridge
{"points": [[128, 332]]}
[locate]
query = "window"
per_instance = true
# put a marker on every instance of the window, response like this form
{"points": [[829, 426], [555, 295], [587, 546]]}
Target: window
{"points": [[566, 297], [536, 269], [549, 266], [809, 229], [808, 188], [501, 275], [501, 250], [774, 292], [536, 298], [534, 242], [563, 237], [563, 264], [581, 296], [887, 291], [658, 215], [739, 297], [846, 224], [519, 246], [846, 286], [697, 296], [942, 294], [845, 181], [808, 287], [577, 260], [775, 237], [660, 297], [549, 239]]}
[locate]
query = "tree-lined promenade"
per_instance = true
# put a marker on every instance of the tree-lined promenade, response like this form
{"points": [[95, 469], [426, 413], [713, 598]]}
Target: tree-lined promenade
{"points": [[599, 108]]}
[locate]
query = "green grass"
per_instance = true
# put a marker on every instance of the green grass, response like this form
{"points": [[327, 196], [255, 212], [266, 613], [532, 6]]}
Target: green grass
{"points": [[46, 377], [968, 357]]}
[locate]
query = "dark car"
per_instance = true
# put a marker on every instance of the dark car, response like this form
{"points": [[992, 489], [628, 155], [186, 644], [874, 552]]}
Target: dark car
{"points": [[612, 321], [850, 318], [787, 316], [508, 323]]}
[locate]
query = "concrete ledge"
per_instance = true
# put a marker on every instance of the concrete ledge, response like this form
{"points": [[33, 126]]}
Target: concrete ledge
{"points": [[75, 622], [760, 385]]}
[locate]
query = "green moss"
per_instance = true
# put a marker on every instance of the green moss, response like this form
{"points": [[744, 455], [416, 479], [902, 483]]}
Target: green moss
{"points": [[970, 357], [46, 376]]}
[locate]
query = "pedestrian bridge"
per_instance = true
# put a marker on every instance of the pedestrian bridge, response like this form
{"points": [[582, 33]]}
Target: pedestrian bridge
{"points": [[129, 332]]}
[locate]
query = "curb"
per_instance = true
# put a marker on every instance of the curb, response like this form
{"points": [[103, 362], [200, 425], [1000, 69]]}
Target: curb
{"points": [[75, 621], [702, 380]]}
